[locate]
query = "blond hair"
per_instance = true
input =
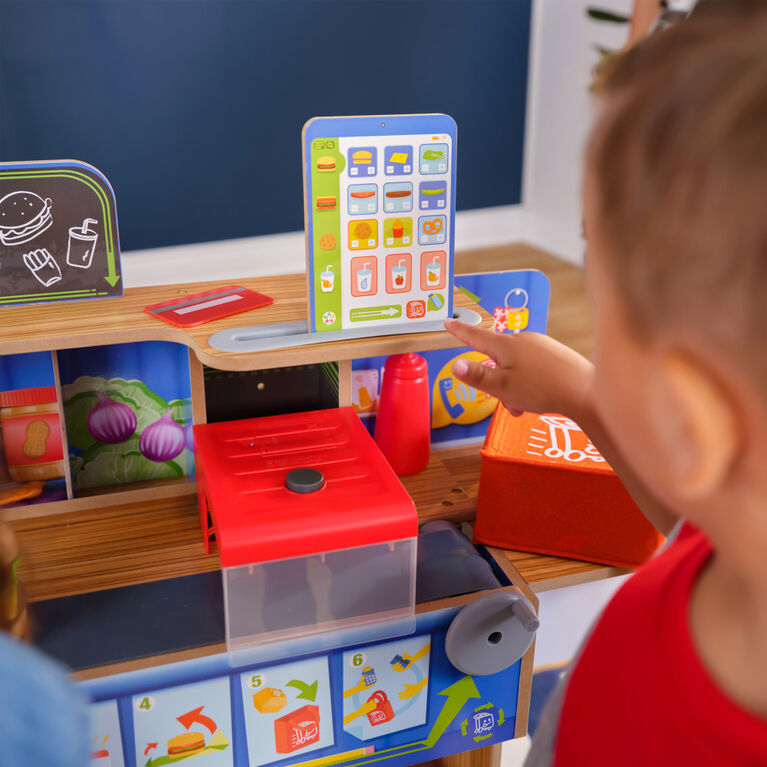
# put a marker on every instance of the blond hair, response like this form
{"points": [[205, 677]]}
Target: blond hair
{"points": [[679, 161]]}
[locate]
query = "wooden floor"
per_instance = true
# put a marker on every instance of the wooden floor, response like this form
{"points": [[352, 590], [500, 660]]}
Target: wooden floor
{"points": [[99, 548]]}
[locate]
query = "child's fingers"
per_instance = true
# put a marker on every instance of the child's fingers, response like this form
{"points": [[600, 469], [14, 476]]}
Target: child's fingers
{"points": [[484, 341], [492, 381]]}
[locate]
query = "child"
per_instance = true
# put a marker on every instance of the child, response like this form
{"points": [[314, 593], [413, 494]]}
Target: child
{"points": [[675, 205]]}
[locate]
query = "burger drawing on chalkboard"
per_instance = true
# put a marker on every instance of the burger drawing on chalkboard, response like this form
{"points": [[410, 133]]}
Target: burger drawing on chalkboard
{"points": [[23, 215]]}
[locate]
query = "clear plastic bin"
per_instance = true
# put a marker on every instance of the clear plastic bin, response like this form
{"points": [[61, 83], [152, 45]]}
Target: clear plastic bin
{"points": [[338, 590]]}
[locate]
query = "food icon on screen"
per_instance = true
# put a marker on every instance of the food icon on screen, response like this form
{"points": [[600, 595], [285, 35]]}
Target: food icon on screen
{"points": [[398, 160], [363, 234], [432, 229], [363, 198], [433, 158], [433, 270], [43, 266], [326, 164], [363, 161], [23, 216], [398, 197], [328, 279], [326, 203], [433, 195], [328, 241], [364, 279]]}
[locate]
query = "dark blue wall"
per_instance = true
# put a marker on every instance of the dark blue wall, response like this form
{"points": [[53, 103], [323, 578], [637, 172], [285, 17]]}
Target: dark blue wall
{"points": [[193, 108]]}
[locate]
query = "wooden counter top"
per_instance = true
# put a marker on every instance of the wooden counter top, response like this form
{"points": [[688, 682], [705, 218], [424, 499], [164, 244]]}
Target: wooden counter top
{"points": [[45, 327], [100, 548]]}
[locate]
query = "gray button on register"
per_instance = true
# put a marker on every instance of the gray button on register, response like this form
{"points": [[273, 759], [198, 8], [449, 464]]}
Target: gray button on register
{"points": [[305, 480]]}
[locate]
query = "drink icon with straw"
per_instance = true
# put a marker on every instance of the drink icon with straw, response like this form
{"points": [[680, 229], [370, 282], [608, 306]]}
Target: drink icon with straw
{"points": [[365, 278], [328, 279], [82, 244], [399, 275]]}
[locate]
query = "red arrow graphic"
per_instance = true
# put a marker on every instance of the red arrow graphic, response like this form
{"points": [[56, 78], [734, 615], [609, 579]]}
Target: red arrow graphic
{"points": [[149, 747], [196, 715]]}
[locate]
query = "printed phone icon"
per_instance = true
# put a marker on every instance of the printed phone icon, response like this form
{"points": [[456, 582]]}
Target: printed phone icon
{"points": [[445, 385]]}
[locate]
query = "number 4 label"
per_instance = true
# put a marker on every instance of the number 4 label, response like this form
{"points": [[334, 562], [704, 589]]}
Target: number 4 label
{"points": [[147, 703]]}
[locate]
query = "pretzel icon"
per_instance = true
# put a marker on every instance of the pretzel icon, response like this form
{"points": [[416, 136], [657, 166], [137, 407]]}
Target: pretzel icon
{"points": [[432, 227]]}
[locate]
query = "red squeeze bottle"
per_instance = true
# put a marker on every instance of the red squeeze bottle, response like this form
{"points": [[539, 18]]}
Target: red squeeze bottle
{"points": [[403, 422]]}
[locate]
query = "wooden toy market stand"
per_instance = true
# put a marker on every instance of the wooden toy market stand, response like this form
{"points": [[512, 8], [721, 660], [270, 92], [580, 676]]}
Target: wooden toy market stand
{"points": [[126, 535]]}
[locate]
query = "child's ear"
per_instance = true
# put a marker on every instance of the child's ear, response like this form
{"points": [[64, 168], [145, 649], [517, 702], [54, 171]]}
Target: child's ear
{"points": [[696, 421]]}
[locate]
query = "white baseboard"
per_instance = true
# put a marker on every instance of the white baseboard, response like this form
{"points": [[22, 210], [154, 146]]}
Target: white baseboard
{"points": [[285, 253]]}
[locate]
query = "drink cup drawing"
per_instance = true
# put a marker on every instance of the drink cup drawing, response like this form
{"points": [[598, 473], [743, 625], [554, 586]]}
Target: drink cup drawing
{"points": [[433, 273], [328, 279], [43, 266], [82, 244], [365, 278], [399, 275]]}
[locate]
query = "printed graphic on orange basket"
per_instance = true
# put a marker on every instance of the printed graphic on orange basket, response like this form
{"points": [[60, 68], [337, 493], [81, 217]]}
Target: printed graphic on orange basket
{"points": [[561, 440]]}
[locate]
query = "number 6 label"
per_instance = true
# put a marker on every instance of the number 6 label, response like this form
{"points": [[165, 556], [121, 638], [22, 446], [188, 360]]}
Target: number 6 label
{"points": [[357, 660]]}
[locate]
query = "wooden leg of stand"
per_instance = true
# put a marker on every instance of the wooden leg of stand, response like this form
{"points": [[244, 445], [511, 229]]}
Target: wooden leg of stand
{"points": [[489, 756]]}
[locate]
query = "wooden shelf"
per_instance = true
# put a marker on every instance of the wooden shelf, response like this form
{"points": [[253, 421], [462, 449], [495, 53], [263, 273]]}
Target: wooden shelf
{"points": [[99, 548], [123, 320]]}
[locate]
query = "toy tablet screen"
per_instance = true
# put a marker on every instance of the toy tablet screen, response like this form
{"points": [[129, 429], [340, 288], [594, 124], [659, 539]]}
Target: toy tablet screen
{"points": [[379, 199]]}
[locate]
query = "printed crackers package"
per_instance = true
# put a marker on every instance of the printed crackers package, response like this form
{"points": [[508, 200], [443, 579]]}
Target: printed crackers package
{"points": [[545, 488]]}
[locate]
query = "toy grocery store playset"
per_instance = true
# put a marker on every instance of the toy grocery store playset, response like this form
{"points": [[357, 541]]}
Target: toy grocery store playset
{"points": [[305, 622]]}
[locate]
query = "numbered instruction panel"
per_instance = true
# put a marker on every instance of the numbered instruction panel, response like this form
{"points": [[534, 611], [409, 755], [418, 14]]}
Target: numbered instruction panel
{"points": [[386, 704], [380, 208]]}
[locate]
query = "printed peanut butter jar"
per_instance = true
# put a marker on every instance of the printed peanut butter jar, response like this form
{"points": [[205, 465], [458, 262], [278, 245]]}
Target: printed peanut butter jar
{"points": [[32, 434]]}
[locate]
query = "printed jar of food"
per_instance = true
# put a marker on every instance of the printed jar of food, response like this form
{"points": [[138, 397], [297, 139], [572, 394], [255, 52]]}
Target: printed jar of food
{"points": [[32, 434]]}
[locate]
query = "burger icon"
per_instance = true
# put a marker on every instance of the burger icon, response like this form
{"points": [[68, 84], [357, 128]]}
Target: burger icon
{"points": [[23, 215]]}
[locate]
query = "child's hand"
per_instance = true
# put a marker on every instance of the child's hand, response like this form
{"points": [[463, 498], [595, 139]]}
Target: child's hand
{"points": [[533, 372]]}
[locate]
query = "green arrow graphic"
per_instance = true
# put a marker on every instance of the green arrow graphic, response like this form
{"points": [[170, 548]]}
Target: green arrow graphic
{"points": [[468, 293], [458, 694], [375, 313], [305, 691]]}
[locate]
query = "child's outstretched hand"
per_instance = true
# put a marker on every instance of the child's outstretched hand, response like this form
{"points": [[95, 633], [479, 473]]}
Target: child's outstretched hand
{"points": [[533, 372]]}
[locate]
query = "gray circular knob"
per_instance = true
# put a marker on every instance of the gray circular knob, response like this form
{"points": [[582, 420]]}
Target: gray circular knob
{"points": [[491, 634], [305, 480]]}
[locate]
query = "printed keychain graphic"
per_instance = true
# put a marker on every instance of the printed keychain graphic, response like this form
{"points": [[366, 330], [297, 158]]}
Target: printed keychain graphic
{"points": [[514, 315]]}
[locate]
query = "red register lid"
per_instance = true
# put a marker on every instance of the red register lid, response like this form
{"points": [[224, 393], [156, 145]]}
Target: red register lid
{"points": [[245, 467]]}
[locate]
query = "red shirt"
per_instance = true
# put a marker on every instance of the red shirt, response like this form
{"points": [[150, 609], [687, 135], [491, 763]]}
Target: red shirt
{"points": [[639, 694]]}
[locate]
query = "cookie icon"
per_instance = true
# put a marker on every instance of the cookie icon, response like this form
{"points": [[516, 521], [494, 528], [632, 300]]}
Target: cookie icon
{"points": [[327, 241], [363, 230]]}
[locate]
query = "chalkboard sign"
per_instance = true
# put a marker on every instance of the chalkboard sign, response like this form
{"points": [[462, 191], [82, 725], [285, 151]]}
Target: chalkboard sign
{"points": [[58, 233]]}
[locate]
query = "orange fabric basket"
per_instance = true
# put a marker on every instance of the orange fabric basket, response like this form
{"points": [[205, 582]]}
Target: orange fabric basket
{"points": [[545, 488]]}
